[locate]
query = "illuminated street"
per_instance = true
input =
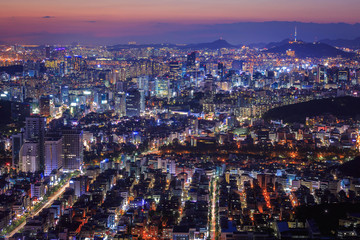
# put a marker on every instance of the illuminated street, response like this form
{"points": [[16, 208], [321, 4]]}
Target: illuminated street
{"points": [[47, 204]]}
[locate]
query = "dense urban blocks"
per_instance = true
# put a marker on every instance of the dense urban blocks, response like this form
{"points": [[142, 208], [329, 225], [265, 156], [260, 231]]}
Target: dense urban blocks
{"points": [[203, 141]]}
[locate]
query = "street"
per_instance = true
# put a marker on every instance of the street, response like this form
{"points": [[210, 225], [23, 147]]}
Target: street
{"points": [[50, 201]]}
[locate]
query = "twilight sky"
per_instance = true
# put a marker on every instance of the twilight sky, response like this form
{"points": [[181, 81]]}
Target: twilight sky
{"points": [[110, 21]]}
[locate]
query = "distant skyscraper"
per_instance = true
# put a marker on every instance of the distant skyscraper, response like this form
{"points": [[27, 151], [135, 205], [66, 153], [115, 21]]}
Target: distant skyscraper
{"points": [[221, 69], [237, 65], [174, 78], [133, 103], [209, 82], [121, 86], [47, 52], [72, 149], [191, 59], [29, 157], [74, 64], [162, 86], [142, 101], [322, 76], [175, 67], [195, 126], [143, 84], [53, 153]]}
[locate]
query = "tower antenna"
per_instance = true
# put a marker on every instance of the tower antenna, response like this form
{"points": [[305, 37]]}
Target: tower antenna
{"points": [[295, 33]]}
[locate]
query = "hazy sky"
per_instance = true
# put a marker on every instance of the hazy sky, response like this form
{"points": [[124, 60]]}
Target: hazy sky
{"points": [[27, 20]]}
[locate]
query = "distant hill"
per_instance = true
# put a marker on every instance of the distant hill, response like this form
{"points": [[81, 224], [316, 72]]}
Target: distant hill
{"points": [[340, 107], [128, 46], [303, 50], [212, 45], [347, 43], [277, 44], [271, 44]]}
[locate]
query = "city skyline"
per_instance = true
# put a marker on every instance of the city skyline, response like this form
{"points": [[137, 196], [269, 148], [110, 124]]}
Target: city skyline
{"points": [[179, 120]]}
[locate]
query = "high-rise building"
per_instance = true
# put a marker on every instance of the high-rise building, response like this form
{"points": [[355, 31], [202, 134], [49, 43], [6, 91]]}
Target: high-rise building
{"points": [[80, 185], [175, 67], [343, 76], [47, 52], [35, 127], [29, 158], [142, 101], [72, 142], [221, 69], [191, 59], [120, 104], [162, 86], [143, 84], [37, 190], [322, 75], [19, 111], [35, 131], [133, 103], [171, 166], [357, 76], [17, 142], [237, 65], [195, 126], [53, 153], [44, 104], [209, 83], [65, 94], [74, 64], [121, 86]]}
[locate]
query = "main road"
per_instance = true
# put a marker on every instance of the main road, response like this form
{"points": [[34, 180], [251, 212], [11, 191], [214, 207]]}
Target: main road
{"points": [[214, 219], [47, 204]]}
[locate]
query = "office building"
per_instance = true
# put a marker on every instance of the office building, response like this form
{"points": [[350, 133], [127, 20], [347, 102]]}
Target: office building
{"points": [[80, 185], [191, 59], [17, 142], [37, 190], [35, 131], [120, 104], [44, 104], [35, 127], [72, 142], [47, 52], [53, 153], [19, 111], [133, 103], [29, 159], [65, 94]]}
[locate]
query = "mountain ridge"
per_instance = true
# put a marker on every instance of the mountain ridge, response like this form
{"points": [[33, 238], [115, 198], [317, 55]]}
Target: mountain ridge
{"points": [[347, 43], [217, 44], [303, 50]]}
